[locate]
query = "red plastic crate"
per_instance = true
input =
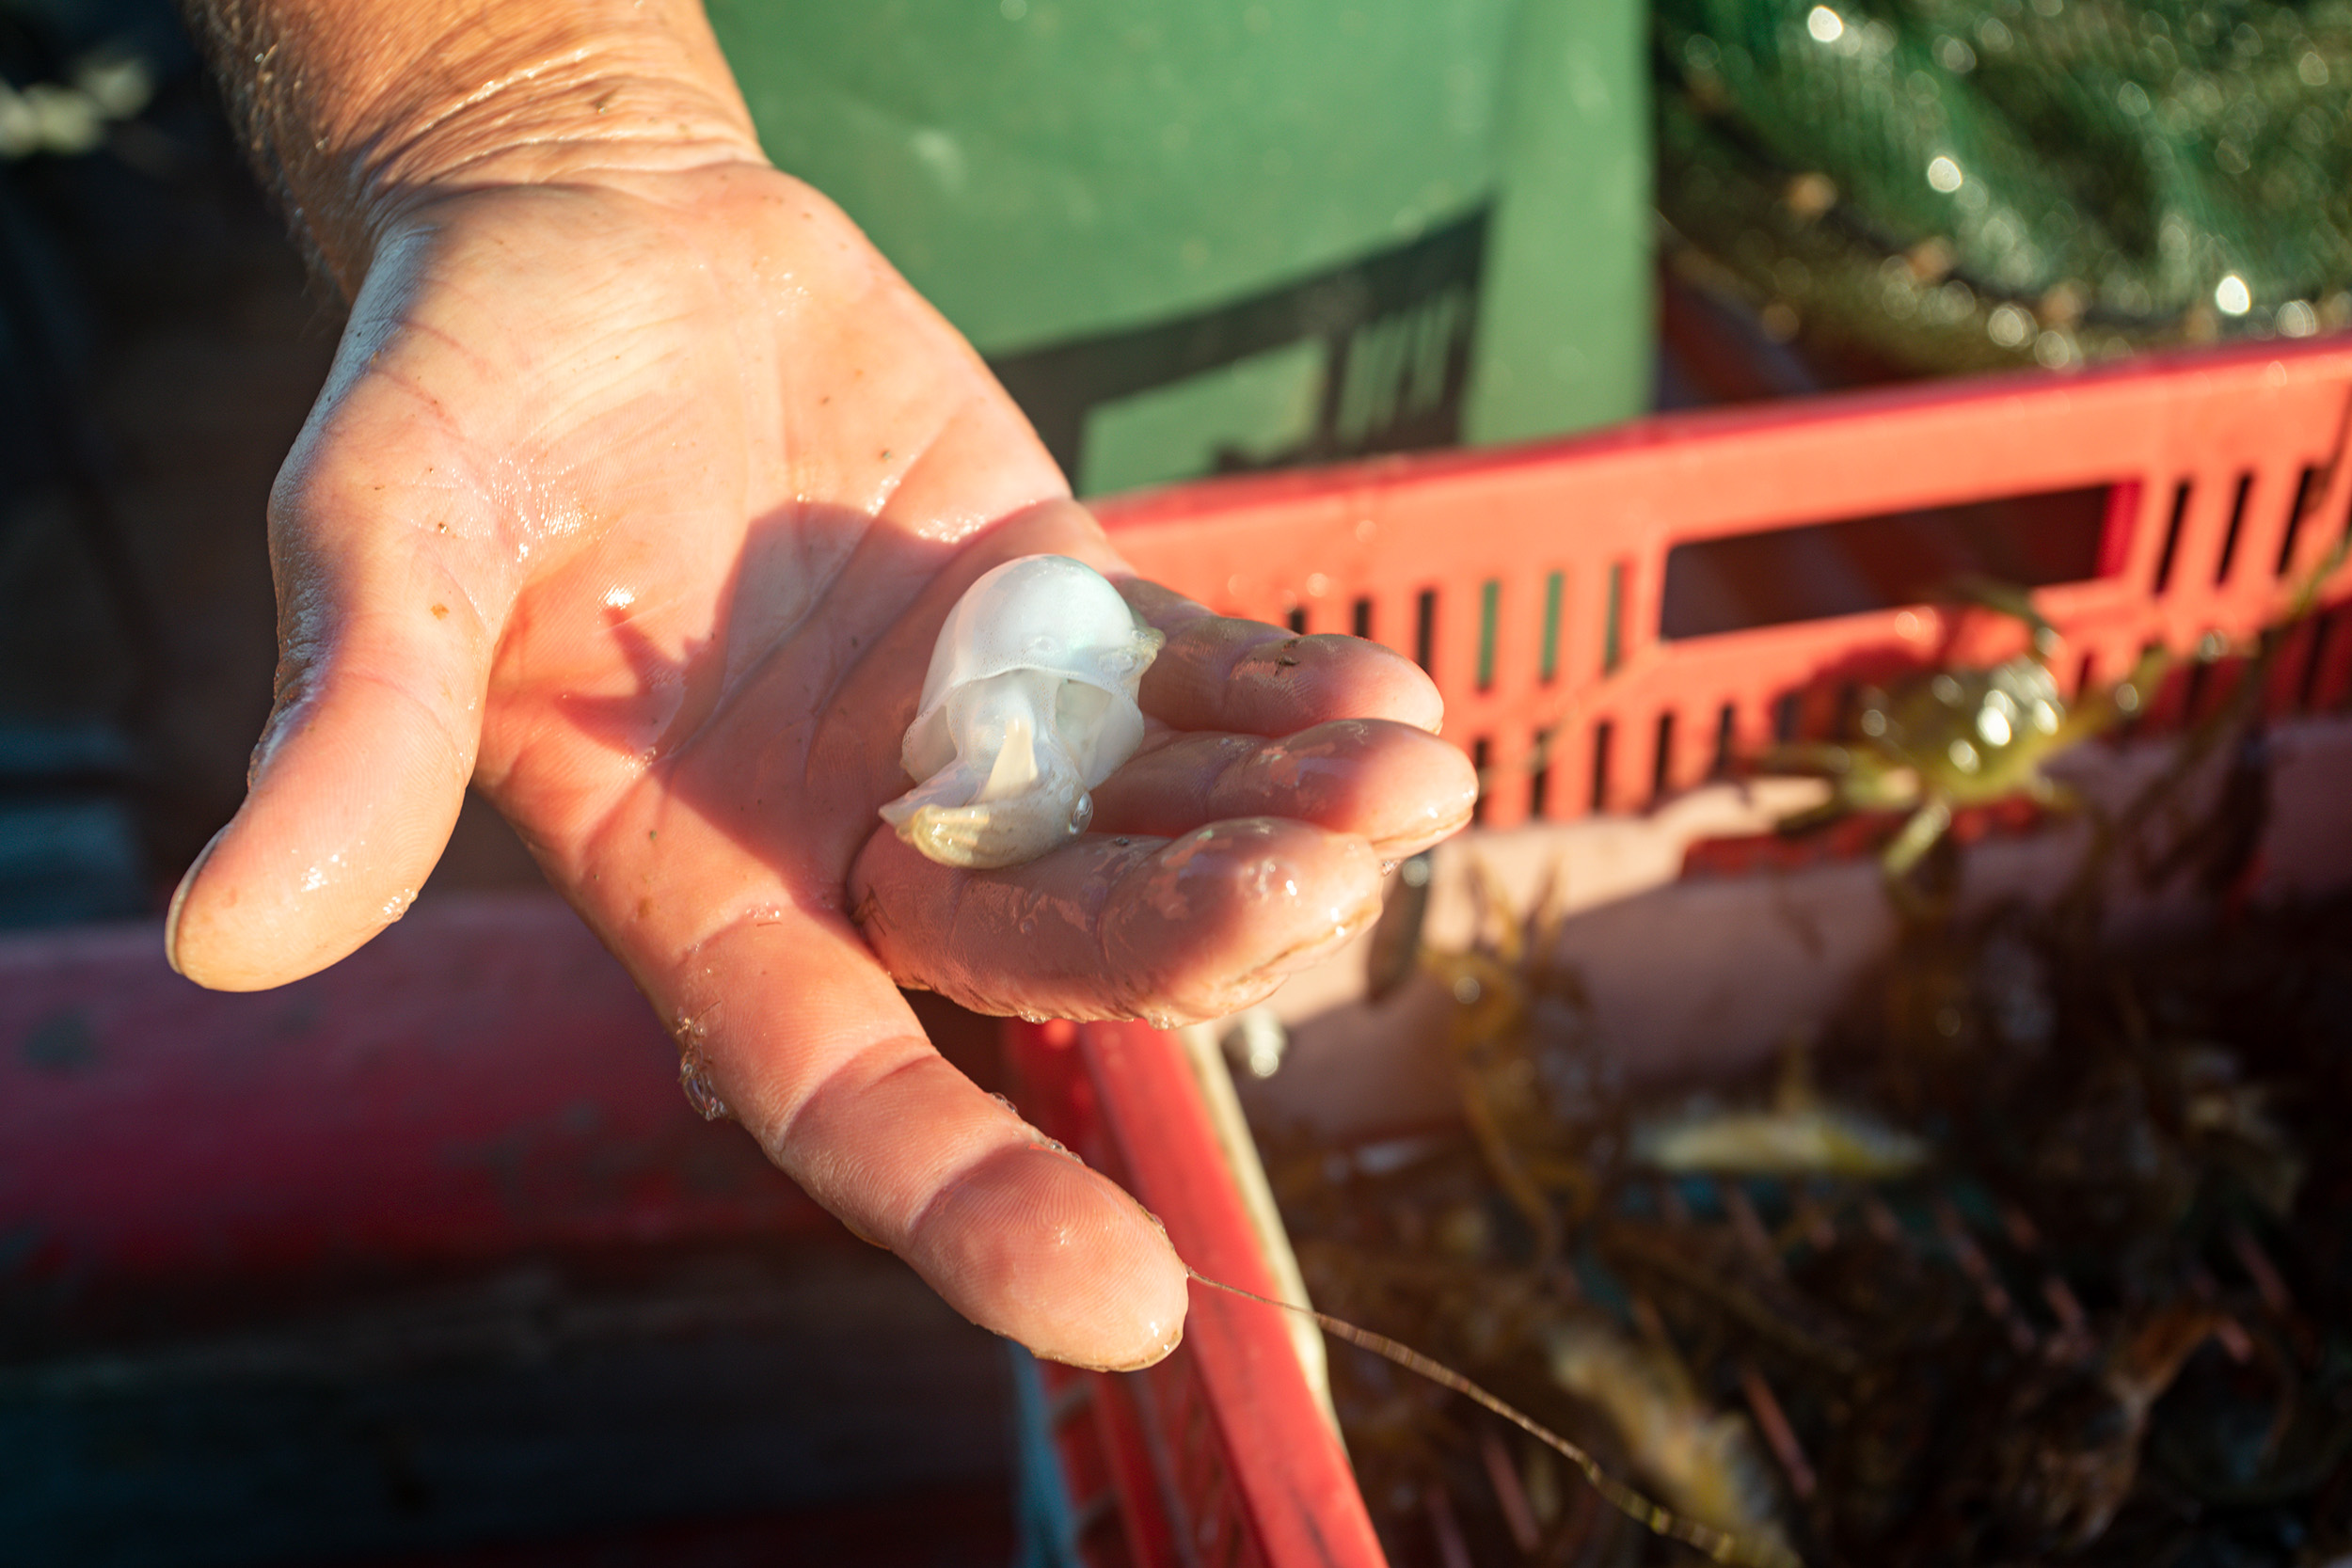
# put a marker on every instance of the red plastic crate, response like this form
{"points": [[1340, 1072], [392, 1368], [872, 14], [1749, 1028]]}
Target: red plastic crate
{"points": [[477, 1084], [131, 1106], [2225, 489]]}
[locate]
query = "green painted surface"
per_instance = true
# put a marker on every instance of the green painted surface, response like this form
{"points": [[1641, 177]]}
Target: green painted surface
{"points": [[1047, 170], [1565, 323], [1189, 150], [1252, 409]]}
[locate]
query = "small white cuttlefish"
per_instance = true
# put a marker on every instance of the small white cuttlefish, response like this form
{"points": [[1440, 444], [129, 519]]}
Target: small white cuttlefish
{"points": [[1029, 704]]}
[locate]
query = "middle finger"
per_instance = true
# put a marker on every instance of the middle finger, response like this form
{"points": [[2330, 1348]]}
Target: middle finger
{"points": [[1397, 785], [1120, 926]]}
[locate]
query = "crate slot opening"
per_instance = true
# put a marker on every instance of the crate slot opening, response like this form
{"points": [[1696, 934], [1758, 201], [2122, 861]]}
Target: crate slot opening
{"points": [[2171, 537], [1555, 590], [1855, 565], [1786, 714], [1612, 632], [1490, 606], [2308, 486], [2238, 525]]}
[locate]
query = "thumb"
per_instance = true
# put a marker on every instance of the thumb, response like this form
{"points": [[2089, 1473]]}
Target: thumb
{"points": [[361, 771]]}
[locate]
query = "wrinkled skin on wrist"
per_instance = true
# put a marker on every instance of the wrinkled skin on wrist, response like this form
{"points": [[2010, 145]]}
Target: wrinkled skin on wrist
{"points": [[638, 501]]}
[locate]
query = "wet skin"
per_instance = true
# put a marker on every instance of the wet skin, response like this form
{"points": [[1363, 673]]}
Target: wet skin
{"points": [[638, 500]]}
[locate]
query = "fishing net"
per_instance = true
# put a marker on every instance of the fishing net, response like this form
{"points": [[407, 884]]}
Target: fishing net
{"points": [[1957, 184]]}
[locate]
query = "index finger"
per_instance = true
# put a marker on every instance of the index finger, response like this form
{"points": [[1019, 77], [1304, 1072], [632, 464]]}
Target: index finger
{"points": [[787, 1017], [1220, 672]]}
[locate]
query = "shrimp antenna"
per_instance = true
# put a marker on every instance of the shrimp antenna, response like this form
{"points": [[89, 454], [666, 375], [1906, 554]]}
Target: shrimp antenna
{"points": [[1720, 1545]]}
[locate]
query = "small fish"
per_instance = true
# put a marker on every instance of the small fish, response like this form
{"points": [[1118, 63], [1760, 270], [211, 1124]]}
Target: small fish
{"points": [[1704, 1461], [1808, 1140]]}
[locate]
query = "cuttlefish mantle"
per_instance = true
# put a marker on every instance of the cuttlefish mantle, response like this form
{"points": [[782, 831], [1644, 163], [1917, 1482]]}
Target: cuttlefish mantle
{"points": [[1029, 704]]}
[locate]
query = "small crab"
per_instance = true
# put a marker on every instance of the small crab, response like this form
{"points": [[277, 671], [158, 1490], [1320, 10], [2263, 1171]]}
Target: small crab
{"points": [[1933, 744]]}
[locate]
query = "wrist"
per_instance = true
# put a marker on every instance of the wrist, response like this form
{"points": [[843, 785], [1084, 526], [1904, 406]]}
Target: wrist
{"points": [[362, 112]]}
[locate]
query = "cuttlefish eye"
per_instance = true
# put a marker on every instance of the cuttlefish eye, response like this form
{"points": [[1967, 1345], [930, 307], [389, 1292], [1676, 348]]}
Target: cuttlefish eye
{"points": [[1029, 704]]}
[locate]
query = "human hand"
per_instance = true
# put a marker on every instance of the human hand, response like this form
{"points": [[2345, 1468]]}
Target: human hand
{"points": [[638, 499]]}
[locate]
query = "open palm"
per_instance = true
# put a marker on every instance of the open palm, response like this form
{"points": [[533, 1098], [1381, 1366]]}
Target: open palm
{"points": [[639, 503]]}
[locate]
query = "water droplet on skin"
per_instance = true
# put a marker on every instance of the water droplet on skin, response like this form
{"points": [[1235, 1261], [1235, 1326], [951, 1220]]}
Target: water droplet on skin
{"points": [[1006, 1104], [1268, 878], [1163, 891]]}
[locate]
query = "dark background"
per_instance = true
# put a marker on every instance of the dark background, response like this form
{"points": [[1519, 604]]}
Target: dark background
{"points": [[160, 344], [766, 1399]]}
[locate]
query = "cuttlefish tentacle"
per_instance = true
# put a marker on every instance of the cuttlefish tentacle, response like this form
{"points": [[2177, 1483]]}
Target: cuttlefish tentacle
{"points": [[1030, 702], [987, 810]]}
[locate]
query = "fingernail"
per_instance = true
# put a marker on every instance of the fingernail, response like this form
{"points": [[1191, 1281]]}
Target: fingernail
{"points": [[180, 897], [861, 1233], [1345, 928], [1157, 1353], [1151, 1357]]}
